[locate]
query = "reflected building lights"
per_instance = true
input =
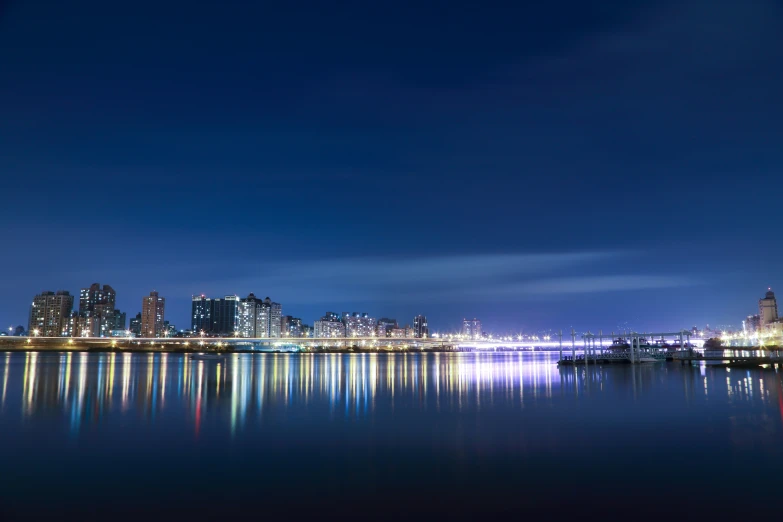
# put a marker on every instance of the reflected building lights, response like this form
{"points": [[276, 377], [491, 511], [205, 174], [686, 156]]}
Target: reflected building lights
{"points": [[240, 387], [5, 377]]}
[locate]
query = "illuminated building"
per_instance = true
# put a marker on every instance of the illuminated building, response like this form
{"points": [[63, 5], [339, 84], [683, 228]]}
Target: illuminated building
{"points": [[82, 325], [752, 324], [50, 313], [135, 325], [398, 333], [201, 314], [169, 330], [225, 315], [471, 328], [768, 308], [358, 325], [420, 329], [96, 295], [248, 316], [275, 317], [268, 317], [152, 311], [119, 320], [98, 303], [330, 325], [291, 326], [307, 330], [385, 326]]}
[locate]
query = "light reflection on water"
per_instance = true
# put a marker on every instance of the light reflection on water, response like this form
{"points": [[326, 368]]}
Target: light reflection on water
{"points": [[349, 429], [86, 387]]}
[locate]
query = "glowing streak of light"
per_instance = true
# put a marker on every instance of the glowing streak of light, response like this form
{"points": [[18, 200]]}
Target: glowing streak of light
{"points": [[5, 377]]}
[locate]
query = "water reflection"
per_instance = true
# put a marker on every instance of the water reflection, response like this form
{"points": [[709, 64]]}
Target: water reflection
{"points": [[86, 387]]}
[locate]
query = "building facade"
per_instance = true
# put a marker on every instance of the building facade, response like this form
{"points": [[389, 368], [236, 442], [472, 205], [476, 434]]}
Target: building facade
{"points": [[120, 319], [329, 325], [50, 314], [225, 315], [471, 328], [420, 328], [83, 325], [99, 304], [292, 326], [768, 308], [398, 333], [275, 318], [247, 314], [752, 324], [153, 309], [385, 326], [200, 314], [359, 325], [135, 325]]}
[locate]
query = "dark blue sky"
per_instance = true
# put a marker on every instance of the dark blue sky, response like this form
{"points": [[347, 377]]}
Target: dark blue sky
{"points": [[535, 164]]}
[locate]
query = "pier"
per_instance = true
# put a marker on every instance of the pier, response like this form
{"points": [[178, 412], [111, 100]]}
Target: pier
{"points": [[635, 349]]}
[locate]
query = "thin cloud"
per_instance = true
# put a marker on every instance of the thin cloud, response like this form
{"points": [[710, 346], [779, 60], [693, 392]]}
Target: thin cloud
{"points": [[434, 279], [598, 284]]}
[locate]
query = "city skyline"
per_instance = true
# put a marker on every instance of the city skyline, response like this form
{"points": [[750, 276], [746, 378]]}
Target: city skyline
{"points": [[252, 317]]}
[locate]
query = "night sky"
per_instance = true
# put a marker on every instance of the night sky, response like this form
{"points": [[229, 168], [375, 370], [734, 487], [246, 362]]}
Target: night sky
{"points": [[534, 164]]}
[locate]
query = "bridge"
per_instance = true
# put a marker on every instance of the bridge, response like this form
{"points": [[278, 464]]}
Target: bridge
{"points": [[591, 343], [271, 344]]}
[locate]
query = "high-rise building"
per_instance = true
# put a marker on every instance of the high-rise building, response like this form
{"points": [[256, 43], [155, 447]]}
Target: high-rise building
{"points": [[201, 314], [768, 308], [119, 320], [248, 316], [225, 315], [275, 317], [83, 325], [330, 325], [420, 328], [385, 326], [307, 330], [169, 330], [291, 326], [471, 328], [152, 311], [135, 325], [50, 313], [752, 324], [96, 295], [358, 325], [264, 318], [98, 302], [269, 317]]}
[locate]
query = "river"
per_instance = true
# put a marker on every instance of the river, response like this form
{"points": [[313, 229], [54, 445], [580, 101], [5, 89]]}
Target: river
{"points": [[459, 436]]}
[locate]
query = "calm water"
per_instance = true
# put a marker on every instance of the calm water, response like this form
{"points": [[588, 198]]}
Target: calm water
{"points": [[457, 436]]}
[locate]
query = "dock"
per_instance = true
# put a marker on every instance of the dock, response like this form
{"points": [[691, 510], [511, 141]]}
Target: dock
{"points": [[596, 351]]}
